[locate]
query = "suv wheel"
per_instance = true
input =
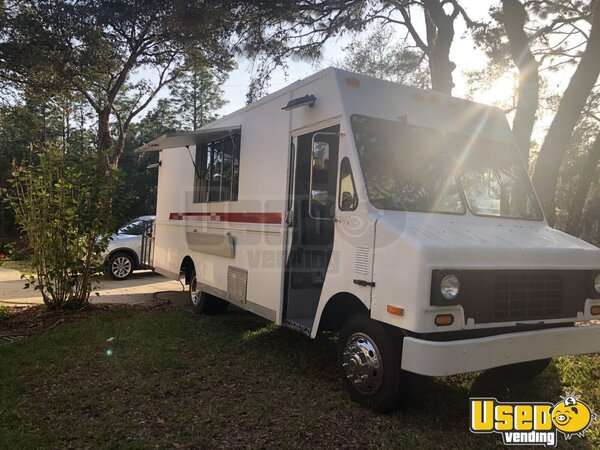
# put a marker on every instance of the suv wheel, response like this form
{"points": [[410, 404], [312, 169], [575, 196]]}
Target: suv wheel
{"points": [[120, 266]]}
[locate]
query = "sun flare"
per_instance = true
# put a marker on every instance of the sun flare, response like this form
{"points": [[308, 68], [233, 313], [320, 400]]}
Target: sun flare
{"points": [[500, 93]]}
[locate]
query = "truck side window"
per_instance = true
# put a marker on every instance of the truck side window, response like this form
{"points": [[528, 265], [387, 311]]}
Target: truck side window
{"points": [[348, 198], [218, 165]]}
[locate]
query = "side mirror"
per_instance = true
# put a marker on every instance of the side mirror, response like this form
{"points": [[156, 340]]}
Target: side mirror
{"points": [[321, 178], [348, 201], [320, 155]]}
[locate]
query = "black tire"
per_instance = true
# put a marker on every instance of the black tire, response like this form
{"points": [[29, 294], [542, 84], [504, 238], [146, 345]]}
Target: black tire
{"points": [[204, 303], [360, 339], [521, 371], [120, 266]]}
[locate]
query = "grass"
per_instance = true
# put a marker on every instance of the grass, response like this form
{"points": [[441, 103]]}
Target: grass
{"points": [[175, 380]]}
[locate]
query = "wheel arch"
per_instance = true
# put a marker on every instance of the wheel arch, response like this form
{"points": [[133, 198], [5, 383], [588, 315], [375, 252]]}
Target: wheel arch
{"points": [[338, 309], [186, 268], [128, 251]]}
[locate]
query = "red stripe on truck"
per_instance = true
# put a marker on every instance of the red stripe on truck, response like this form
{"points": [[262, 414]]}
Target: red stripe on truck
{"points": [[245, 217]]}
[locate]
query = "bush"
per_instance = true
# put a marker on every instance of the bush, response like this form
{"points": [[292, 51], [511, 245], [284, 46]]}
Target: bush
{"points": [[63, 204]]}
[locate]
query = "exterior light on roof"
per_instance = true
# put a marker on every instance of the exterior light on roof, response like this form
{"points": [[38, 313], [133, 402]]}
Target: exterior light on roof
{"points": [[307, 100]]}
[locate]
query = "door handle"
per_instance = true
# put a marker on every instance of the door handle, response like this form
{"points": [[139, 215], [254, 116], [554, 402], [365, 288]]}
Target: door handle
{"points": [[289, 218]]}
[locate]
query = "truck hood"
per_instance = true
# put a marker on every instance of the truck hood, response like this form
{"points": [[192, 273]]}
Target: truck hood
{"points": [[466, 241]]}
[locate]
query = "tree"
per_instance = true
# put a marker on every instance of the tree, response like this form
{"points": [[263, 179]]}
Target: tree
{"points": [[196, 96], [139, 188], [30, 119], [63, 205], [579, 170], [439, 16], [586, 179], [95, 47], [552, 40], [572, 103], [440, 34], [381, 56], [514, 18], [307, 25]]}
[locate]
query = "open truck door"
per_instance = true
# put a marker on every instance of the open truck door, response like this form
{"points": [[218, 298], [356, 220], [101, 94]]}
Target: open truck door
{"points": [[312, 222]]}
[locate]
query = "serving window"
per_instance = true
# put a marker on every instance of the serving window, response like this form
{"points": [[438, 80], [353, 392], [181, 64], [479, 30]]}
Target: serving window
{"points": [[218, 170]]}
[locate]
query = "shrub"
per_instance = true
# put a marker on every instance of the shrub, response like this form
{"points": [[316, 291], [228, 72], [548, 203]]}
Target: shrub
{"points": [[63, 204]]}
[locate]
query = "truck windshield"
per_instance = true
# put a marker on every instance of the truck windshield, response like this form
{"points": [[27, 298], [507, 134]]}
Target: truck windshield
{"points": [[406, 168], [410, 168], [493, 178]]}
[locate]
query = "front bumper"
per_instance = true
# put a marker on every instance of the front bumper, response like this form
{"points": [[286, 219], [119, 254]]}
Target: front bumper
{"points": [[435, 358]]}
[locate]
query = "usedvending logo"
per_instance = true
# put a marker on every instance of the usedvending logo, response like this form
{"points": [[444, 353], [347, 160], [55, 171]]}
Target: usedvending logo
{"points": [[522, 423]]}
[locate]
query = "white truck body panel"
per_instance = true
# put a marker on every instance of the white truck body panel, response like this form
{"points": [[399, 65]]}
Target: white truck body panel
{"points": [[396, 251]]}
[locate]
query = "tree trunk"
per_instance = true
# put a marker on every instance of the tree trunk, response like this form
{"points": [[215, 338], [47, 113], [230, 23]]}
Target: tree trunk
{"points": [[201, 97], [195, 100], [440, 33], [514, 18], [44, 124], [571, 105], [2, 220], [107, 150], [119, 146], [105, 140], [585, 181]]}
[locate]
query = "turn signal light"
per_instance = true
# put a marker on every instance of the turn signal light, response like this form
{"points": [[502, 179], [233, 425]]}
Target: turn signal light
{"points": [[443, 320], [395, 310], [595, 310]]}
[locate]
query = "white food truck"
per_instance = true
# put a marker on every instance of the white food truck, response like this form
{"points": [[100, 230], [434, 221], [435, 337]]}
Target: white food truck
{"points": [[401, 218]]}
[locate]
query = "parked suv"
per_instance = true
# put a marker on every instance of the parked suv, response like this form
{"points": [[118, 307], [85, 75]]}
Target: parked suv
{"points": [[130, 248]]}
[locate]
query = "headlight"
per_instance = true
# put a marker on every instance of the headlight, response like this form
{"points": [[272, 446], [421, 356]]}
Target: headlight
{"points": [[450, 286], [597, 283]]}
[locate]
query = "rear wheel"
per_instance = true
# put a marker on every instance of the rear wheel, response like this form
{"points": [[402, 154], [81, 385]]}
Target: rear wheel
{"points": [[120, 266], [204, 303], [370, 364]]}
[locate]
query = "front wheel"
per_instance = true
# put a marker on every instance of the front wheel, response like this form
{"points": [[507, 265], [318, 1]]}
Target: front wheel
{"points": [[204, 303], [370, 364], [120, 266]]}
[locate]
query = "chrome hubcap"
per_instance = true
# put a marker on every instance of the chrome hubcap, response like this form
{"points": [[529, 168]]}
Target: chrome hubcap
{"points": [[362, 364], [194, 293], [121, 267]]}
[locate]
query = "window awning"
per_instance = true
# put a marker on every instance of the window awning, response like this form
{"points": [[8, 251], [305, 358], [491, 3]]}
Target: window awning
{"points": [[177, 139]]}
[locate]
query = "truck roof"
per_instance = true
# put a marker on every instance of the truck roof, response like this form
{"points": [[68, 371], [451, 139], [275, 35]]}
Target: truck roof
{"points": [[428, 107]]}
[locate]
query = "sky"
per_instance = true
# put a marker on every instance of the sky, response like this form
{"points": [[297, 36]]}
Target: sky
{"points": [[463, 53]]}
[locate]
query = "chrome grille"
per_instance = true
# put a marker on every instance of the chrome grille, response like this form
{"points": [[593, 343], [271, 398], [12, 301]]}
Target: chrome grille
{"points": [[528, 296]]}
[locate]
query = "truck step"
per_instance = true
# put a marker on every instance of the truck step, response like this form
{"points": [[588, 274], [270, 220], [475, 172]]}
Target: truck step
{"points": [[301, 324]]}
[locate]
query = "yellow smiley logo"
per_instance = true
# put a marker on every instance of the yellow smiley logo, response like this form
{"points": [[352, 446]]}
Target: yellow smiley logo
{"points": [[572, 416]]}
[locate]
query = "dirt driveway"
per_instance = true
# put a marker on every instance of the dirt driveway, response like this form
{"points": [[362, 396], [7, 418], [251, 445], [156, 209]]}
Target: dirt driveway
{"points": [[139, 288]]}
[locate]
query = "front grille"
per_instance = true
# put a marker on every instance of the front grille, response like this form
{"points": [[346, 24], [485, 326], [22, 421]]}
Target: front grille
{"points": [[527, 296], [499, 296]]}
